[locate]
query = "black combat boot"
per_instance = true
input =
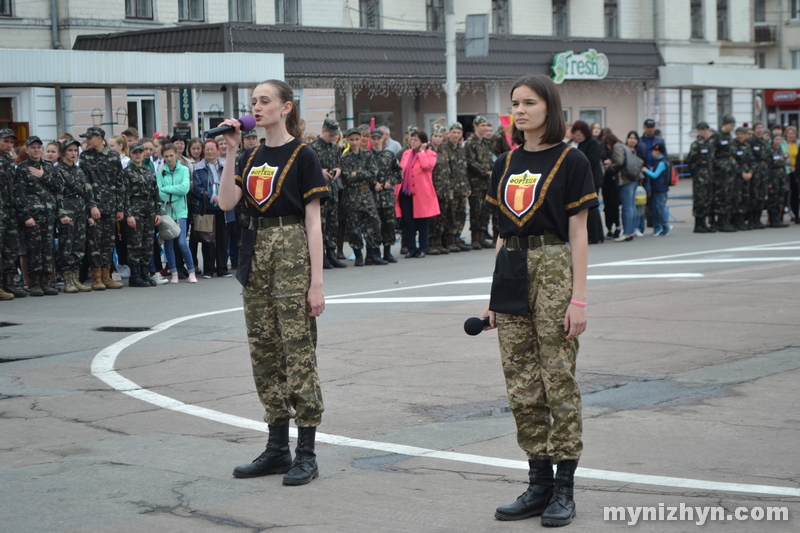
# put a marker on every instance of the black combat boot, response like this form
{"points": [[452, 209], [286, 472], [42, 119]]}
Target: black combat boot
{"points": [[44, 283], [739, 223], [135, 280], [775, 220], [374, 257], [144, 270], [304, 467], [35, 284], [724, 224], [756, 220], [326, 263], [330, 253], [276, 459], [464, 247], [450, 244], [700, 225], [359, 258], [712, 228], [387, 255], [476, 240], [561, 509], [8, 285], [533, 501]]}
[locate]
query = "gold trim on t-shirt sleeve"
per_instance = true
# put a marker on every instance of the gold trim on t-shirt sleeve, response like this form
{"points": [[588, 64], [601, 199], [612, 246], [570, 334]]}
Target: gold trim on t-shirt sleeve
{"points": [[583, 200], [316, 190]]}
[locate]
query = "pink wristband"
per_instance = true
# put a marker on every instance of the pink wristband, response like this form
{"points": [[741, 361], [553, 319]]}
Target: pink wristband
{"points": [[576, 302]]}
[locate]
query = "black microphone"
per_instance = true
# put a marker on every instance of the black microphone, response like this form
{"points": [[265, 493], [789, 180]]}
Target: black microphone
{"points": [[475, 325], [246, 122]]}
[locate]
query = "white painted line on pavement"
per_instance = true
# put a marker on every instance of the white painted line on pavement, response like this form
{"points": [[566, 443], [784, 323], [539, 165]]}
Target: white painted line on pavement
{"points": [[755, 248], [708, 261], [103, 369]]}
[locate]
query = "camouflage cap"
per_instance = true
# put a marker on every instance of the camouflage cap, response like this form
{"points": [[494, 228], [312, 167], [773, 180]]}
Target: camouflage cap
{"points": [[251, 133], [94, 131], [33, 139], [66, 143], [7, 132], [480, 119], [728, 119], [331, 125], [136, 147], [412, 129], [438, 128], [702, 126], [456, 126], [376, 133], [352, 131]]}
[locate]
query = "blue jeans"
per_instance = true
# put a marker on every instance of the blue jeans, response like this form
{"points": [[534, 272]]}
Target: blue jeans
{"points": [[659, 210], [627, 198], [413, 225], [184, 247]]}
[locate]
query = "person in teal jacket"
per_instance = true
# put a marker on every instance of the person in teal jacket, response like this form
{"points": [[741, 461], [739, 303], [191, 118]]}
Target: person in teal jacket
{"points": [[174, 183]]}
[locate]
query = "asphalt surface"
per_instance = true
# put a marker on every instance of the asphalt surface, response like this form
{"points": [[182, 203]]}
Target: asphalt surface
{"points": [[689, 372]]}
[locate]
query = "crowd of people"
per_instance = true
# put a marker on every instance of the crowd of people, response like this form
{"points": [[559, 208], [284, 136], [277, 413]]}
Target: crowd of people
{"points": [[72, 210]]}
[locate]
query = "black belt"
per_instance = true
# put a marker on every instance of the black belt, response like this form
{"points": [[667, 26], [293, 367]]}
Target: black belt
{"points": [[264, 222], [515, 243]]}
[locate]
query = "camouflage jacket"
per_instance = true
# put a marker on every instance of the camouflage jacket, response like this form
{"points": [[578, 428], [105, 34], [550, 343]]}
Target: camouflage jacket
{"points": [[76, 193], [758, 147], [442, 176], [7, 187], [363, 164], [480, 160], [458, 167], [104, 173], [722, 145], [141, 192], [700, 156], [744, 156], [36, 196], [329, 155], [388, 170], [774, 157]]}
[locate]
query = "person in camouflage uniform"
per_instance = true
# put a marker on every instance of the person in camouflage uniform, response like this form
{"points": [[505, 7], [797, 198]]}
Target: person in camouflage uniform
{"points": [[724, 174], [103, 169], [460, 184], [330, 157], [142, 205], [9, 233], [443, 184], [37, 186], [699, 160], [72, 202], [758, 185], [479, 168], [775, 181], [360, 175], [744, 175], [389, 175]]}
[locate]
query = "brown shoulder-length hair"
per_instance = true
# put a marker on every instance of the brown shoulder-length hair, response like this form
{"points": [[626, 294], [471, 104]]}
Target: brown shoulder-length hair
{"points": [[286, 94], [554, 126]]}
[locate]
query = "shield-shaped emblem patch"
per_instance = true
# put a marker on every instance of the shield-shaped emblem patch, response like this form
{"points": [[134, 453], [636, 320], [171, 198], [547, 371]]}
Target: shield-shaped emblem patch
{"points": [[261, 182], [520, 192]]}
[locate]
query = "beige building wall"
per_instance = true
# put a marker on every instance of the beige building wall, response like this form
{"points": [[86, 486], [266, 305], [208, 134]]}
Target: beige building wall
{"points": [[586, 18]]}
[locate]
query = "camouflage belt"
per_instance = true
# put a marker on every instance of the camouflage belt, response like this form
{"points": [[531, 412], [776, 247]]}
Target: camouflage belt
{"points": [[264, 222], [515, 243]]}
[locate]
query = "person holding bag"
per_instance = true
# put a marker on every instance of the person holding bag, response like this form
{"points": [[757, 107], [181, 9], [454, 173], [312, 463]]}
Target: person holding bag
{"points": [[209, 219], [173, 185], [542, 193], [628, 167]]}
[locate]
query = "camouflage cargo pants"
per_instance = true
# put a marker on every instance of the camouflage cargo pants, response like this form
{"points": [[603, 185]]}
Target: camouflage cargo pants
{"points": [[101, 238], [724, 197], [459, 214], [702, 193], [440, 224], [361, 215], [9, 243], [758, 190], [741, 191], [776, 183], [282, 337], [39, 244], [478, 214], [388, 220], [539, 363], [72, 243], [330, 217], [140, 239]]}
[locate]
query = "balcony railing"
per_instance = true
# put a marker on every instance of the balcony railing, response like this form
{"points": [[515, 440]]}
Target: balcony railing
{"points": [[765, 33]]}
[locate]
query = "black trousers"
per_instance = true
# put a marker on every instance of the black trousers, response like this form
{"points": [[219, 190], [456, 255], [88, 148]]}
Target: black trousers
{"points": [[215, 255]]}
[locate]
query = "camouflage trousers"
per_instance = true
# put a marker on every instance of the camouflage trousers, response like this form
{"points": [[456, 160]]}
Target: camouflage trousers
{"points": [[72, 243], [702, 193], [39, 244], [775, 189], [478, 214], [724, 197], [140, 238], [362, 215], [282, 337], [9, 243], [330, 217], [101, 238], [459, 214], [388, 220], [539, 363], [758, 191], [441, 224], [741, 194]]}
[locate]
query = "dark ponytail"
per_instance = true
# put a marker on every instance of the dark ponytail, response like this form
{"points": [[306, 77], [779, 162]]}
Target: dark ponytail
{"points": [[286, 94]]}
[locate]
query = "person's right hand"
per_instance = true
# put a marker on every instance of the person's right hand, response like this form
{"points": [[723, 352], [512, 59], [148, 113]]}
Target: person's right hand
{"points": [[66, 220], [233, 138], [492, 318], [30, 222], [326, 175], [132, 222], [95, 213]]}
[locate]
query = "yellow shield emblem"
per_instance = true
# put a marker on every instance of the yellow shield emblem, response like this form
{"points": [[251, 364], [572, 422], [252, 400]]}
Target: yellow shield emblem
{"points": [[261, 182], [520, 192]]}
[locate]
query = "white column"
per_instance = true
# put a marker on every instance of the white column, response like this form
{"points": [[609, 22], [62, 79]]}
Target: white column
{"points": [[450, 86], [348, 104]]}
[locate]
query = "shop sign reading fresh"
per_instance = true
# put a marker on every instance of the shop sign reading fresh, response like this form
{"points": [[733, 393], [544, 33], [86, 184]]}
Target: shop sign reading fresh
{"points": [[590, 65]]}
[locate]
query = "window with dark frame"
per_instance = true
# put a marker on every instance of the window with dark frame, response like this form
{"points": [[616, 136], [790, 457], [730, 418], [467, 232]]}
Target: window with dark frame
{"points": [[190, 11], [761, 59], [5, 8], [723, 33], [760, 11], [139, 9], [611, 19], [369, 14], [698, 107], [434, 10], [697, 22], [794, 9], [724, 106], [560, 18], [500, 16], [287, 12], [240, 10]]}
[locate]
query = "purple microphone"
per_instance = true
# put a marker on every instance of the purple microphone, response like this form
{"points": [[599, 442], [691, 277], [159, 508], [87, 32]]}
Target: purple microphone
{"points": [[246, 122]]}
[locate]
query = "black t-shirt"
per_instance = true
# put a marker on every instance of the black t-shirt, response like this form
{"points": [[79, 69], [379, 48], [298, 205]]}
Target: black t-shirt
{"points": [[280, 181], [531, 199]]}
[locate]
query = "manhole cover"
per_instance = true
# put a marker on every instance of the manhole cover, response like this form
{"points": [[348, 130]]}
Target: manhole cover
{"points": [[123, 329]]}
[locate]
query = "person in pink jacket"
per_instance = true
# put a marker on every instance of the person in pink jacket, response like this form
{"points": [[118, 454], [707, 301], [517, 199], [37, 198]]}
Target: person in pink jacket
{"points": [[416, 197]]}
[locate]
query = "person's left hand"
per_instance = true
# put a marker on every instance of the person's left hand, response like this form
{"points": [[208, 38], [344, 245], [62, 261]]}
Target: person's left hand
{"points": [[316, 301], [378, 187], [37, 172], [132, 222], [120, 216], [158, 220], [574, 321]]}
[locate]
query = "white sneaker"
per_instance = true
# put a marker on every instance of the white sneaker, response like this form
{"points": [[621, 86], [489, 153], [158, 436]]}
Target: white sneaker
{"points": [[174, 278], [192, 278], [159, 279], [638, 233]]}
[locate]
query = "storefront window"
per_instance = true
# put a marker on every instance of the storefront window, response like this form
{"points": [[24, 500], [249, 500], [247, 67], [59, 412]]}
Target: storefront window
{"points": [[369, 14], [611, 20], [722, 21], [696, 8], [560, 18]]}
